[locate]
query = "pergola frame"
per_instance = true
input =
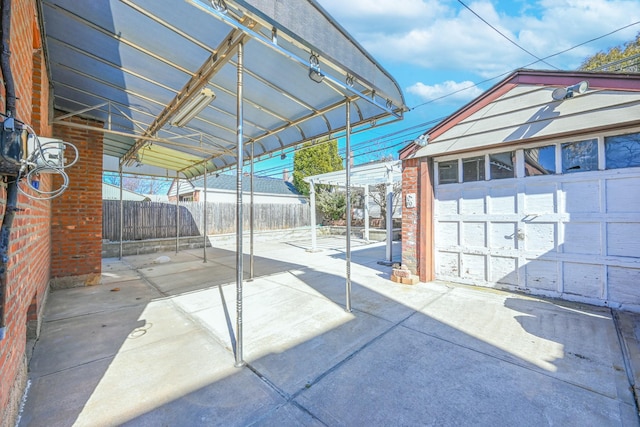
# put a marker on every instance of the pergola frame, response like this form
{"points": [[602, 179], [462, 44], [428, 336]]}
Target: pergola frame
{"points": [[362, 176]]}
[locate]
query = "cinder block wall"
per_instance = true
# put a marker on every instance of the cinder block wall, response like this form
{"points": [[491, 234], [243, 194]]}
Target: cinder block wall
{"points": [[76, 228], [30, 244]]}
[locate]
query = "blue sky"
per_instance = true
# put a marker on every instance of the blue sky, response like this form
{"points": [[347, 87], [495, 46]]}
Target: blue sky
{"points": [[433, 48]]}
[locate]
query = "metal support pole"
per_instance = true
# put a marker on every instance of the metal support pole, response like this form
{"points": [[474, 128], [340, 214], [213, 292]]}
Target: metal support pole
{"points": [[204, 218], [177, 212], [389, 218], [366, 213], [348, 208], [251, 219], [240, 155], [121, 213], [312, 201]]}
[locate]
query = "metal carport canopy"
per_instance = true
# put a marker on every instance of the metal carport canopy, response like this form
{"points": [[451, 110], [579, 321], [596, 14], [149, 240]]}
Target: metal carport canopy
{"points": [[283, 73], [133, 64]]}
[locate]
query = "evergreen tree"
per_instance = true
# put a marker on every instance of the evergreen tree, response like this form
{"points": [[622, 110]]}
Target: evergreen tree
{"points": [[315, 159]]}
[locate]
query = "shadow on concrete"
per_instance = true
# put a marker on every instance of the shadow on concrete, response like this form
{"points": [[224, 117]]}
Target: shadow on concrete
{"points": [[433, 354]]}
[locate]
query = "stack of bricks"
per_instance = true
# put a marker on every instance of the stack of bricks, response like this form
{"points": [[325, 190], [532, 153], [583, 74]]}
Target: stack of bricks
{"points": [[402, 274]]}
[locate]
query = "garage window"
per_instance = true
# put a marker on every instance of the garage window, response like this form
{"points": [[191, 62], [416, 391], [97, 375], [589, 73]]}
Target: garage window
{"points": [[622, 151], [580, 156], [473, 169], [501, 165], [540, 161], [448, 172]]}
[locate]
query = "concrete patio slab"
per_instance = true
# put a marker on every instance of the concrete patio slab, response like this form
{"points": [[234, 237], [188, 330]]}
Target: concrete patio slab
{"points": [[575, 343], [160, 350], [95, 299], [409, 378]]}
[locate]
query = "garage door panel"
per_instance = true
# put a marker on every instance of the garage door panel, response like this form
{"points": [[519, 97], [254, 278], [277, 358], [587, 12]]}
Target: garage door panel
{"points": [[582, 238], [474, 234], [473, 267], [581, 196], [623, 195], [504, 270], [473, 201], [623, 239], [448, 264], [447, 234], [581, 279], [541, 274], [503, 200], [540, 199], [540, 237], [503, 235], [624, 284], [448, 202], [575, 235]]}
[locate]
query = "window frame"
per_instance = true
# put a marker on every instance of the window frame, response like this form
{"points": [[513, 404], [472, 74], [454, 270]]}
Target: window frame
{"points": [[606, 159], [600, 139]]}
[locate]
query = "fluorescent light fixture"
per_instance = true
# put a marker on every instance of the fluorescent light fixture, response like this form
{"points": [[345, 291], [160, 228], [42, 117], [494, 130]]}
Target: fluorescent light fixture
{"points": [[567, 92], [193, 107]]}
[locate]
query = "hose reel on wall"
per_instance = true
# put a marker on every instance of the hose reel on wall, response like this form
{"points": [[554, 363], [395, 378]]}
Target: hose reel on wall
{"points": [[25, 155]]}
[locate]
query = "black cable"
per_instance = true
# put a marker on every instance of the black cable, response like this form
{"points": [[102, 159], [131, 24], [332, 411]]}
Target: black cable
{"points": [[12, 184], [507, 38], [527, 65]]}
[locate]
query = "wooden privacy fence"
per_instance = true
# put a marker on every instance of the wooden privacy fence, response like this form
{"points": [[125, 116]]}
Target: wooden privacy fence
{"points": [[153, 220]]}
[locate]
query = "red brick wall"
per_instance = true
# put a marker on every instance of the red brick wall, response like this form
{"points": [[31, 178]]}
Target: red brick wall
{"points": [[417, 222], [76, 228], [28, 270], [410, 217]]}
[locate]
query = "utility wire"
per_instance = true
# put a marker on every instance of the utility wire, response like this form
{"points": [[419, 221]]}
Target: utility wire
{"points": [[386, 138], [392, 136], [507, 38], [525, 66], [588, 41]]}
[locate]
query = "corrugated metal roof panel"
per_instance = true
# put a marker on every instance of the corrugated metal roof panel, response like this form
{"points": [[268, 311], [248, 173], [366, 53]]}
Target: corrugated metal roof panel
{"points": [[261, 185], [145, 57]]}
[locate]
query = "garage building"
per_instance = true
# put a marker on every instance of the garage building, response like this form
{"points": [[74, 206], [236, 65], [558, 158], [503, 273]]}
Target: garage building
{"points": [[533, 186]]}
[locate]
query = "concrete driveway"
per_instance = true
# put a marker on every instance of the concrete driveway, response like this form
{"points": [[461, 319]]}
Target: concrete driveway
{"points": [[153, 345]]}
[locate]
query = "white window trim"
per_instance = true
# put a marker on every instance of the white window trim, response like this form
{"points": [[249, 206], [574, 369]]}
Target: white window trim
{"points": [[519, 149]]}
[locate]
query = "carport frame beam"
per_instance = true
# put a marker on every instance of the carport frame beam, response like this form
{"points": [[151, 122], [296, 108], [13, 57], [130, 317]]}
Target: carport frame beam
{"points": [[239, 362], [348, 207]]}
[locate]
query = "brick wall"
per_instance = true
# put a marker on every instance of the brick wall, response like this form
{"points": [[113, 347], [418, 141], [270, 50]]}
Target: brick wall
{"points": [[28, 270], [417, 222], [76, 227], [410, 217]]}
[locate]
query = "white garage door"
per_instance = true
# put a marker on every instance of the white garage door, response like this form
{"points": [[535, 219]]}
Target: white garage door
{"points": [[573, 235]]}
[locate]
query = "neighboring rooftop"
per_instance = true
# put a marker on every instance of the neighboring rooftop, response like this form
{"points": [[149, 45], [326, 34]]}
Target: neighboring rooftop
{"points": [[260, 184], [112, 192]]}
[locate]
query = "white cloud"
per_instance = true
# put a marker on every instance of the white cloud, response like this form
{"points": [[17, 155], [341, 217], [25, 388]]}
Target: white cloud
{"points": [[440, 35], [435, 48], [448, 91], [363, 17]]}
